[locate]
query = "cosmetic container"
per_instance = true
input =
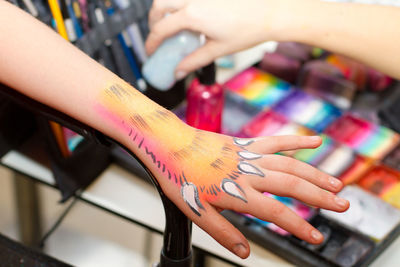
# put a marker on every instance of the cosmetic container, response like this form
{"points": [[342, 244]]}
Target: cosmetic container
{"points": [[294, 50], [205, 101], [281, 66], [326, 81]]}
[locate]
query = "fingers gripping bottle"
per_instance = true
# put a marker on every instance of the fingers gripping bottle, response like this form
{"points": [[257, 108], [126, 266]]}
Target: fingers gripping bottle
{"points": [[159, 69]]}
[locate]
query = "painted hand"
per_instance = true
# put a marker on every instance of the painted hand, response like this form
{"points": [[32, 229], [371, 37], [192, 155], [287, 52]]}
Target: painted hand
{"points": [[203, 172], [217, 172]]}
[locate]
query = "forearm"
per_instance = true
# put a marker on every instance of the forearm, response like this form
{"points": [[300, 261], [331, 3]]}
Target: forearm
{"points": [[367, 33], [39, 63]]}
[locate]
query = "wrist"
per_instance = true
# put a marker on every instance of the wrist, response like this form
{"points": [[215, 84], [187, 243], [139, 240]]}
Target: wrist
{"points": [[139, 123]]}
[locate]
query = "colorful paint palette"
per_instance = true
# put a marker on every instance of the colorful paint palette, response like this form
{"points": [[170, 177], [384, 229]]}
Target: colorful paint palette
{"points": [[258, 88], [237, 112], [338, 161], [268, 123], [307, 110], [358, 167], [363, 136], [352, 70], [393, 159], [367, 214], [383, 182], [379, 180]]}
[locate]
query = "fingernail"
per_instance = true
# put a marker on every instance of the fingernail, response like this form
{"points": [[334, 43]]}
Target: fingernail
{"points": [[315, 138], [316, 235], [240, 250], [334, 182], [180, 75], [341, 202]]}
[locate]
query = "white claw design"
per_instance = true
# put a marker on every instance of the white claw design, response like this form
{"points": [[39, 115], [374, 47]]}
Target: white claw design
{"points": [[242, 142], [233, 189], [249, 155], [191, 196], [247, 168]]}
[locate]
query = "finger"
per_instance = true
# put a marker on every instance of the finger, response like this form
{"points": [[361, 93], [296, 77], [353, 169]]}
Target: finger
{"points": [[155, 15], [269, 209], [287, 185], [165, 28], [223, 232], [161, 7], [300, 169], [199, 58], [274, 144]]}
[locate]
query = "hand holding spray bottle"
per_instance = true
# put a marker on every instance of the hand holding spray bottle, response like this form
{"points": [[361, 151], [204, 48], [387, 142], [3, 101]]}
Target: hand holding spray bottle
{"points": [[159, 69]]}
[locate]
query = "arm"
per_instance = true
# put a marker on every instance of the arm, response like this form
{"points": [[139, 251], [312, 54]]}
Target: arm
{"points": [[367, 33], [199, 171]]}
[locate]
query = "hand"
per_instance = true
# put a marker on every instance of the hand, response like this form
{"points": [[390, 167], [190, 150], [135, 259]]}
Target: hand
{"points": [[229, 26], [217, 172], [204, 172]]}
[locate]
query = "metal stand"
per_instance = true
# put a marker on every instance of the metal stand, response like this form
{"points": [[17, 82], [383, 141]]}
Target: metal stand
{"points": [[177, 248], [28, 210]]}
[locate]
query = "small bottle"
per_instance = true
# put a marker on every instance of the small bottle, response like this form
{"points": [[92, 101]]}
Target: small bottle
{"points": [[159, 69], [205, 101]]}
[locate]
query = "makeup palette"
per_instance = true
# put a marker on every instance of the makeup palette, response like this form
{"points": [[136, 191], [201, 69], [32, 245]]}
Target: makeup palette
{"points": [[281, 66], [327, 82], [383, 182], [259, 104], [236, 113], [377, 81], [357, 168], [352, 70], [393, 159], [269, 123], [298, 51], [368, 214], [340, 246], [307, 110], [379, 180], [364, 137], [258, 88], [337, 161]]}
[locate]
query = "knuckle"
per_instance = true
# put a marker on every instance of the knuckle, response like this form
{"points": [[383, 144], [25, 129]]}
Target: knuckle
{"points": [[319, 176], [157, 4], [187, 12], [291, 164], [190, 12]]}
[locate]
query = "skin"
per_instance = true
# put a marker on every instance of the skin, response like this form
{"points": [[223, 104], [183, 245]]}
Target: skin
{"points": [[39, 63], [367, 33], [191, 162]]}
